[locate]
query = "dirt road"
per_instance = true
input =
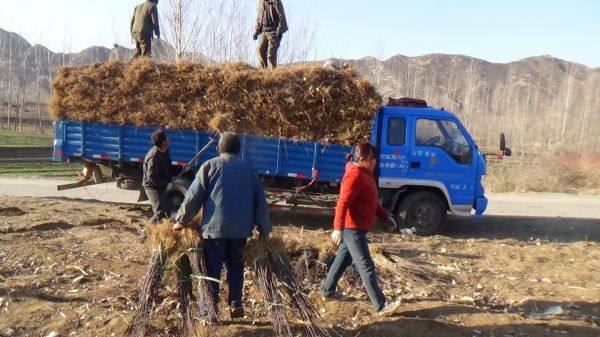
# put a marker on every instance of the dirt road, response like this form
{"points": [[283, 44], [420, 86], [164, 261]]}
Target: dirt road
{"points": [[73, 268], [501, 204]]}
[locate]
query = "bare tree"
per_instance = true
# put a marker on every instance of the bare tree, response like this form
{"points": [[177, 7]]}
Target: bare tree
{"points": [[22, 85], [299, 42], [2, 78], [227, 34], [570, 77], [9, 101], [37, 126], [185, 19]]}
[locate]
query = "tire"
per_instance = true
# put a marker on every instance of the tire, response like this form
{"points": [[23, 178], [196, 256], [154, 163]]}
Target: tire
{"points": [[176, 193], [128, 184], [424, 211]]}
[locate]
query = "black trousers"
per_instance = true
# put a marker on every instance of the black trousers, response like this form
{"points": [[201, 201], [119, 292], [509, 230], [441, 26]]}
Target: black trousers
{"points": [[161, 206], [228, 252]]}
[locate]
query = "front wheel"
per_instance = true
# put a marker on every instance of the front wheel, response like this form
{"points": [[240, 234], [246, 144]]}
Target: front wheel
{"points": [[424, 211]]}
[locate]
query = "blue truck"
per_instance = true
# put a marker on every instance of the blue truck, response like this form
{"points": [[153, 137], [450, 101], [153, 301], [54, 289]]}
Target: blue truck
{"points": [[429, 166]]}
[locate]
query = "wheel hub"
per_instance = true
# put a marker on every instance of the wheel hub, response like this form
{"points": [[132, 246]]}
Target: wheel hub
{"points": [[424, 215]]}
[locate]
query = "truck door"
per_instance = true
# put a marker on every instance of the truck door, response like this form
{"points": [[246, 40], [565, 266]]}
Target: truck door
{"points": [[441, 152], [394, 146]]}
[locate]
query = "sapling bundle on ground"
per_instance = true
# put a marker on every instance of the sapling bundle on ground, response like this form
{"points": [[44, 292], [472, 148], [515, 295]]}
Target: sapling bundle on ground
{"points": [[185, 292], [298, 296], [327, 252], [170, 250], [298, 102], [272, 266], [257, 255], [387, 259], [148, 292], [198, 265]]}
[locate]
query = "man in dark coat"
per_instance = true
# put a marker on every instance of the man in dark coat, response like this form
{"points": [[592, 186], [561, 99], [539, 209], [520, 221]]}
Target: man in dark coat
{"points": [[271, 23], [157, 176], [144, 24]]}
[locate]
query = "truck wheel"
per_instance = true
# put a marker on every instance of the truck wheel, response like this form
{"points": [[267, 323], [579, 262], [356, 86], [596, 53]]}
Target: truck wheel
{"points": [[424, 211], [128, 184], [176, 193]]}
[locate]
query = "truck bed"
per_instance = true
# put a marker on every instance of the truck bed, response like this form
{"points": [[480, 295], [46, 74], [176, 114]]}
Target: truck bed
{"points": [[270, 156]]}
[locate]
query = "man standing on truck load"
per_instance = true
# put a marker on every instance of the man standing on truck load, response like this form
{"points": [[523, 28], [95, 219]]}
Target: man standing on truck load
{"points": [[144, 24], [271, 23], [157, 175], [233, 201], [355, 215]]}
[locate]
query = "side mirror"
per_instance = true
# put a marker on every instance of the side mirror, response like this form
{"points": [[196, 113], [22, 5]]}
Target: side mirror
{"points": [[504, 151]]}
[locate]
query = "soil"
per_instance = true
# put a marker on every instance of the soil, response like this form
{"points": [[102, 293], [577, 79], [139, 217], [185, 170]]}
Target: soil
{"points": [[74, 267]]}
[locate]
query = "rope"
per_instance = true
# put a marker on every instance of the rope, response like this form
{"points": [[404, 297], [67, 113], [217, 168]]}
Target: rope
{"points": [[202, 277]]}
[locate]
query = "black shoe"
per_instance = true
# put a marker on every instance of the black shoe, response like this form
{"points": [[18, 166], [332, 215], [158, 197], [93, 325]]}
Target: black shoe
{"points": [[335, 297], [236, 310]]}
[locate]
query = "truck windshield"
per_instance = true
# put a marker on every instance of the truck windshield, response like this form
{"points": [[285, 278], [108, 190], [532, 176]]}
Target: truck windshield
{"points": [[445, 135]]}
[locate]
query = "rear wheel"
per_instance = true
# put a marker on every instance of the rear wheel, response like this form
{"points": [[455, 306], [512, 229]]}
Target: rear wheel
{"points": [[424, 211], [176, 199], [176, 193]]}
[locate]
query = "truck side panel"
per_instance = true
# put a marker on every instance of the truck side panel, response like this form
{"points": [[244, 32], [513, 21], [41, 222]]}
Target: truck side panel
{"points": [[270, 156]]}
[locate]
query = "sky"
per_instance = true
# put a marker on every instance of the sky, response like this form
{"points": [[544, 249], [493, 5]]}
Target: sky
{"points": [[496, 31]]}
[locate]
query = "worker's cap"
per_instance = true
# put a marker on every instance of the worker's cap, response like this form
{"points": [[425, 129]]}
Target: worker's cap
{"points": [[229, 143]]}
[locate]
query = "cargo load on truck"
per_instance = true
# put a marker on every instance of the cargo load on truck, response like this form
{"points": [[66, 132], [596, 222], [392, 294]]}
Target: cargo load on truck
{"points": [[311, 103]]}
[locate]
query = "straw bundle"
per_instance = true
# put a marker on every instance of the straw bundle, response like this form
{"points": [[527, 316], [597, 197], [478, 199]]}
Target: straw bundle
{"points": [[300, 103]]}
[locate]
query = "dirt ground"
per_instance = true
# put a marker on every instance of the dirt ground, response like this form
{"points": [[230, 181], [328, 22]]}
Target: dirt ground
{"points": [[73, 268]]}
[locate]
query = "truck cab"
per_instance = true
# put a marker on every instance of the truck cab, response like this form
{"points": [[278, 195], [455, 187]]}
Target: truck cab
{"points": [[429, 166]]}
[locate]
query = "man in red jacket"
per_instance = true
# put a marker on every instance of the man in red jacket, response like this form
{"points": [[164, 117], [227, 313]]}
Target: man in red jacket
{"points": [[355, 215]]}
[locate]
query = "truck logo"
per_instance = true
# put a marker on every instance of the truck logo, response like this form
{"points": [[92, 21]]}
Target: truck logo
{"points": [[433, 161]]}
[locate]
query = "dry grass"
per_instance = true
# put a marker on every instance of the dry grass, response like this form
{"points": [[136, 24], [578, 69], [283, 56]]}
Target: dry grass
{"points": [[301, 103], [560, 174], [172, 241]]}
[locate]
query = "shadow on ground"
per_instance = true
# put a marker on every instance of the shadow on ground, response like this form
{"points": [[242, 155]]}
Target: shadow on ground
{"points": [[522, 228]]}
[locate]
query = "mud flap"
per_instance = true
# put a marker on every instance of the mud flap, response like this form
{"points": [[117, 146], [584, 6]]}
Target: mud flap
{"points": [[480, 205], [142, 196]]}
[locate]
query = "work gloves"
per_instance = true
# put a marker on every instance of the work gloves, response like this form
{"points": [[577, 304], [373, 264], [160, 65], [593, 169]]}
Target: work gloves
{"points": [[255, 36], [391, 224], [336, 237], [177, 226]]}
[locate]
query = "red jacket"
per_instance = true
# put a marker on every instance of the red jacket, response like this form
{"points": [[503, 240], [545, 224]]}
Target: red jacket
{"points": [[358, 205]]}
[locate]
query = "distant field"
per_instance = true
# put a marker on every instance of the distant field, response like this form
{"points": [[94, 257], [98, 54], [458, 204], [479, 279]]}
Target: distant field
{"points": [[17, 139], [39, 169]]}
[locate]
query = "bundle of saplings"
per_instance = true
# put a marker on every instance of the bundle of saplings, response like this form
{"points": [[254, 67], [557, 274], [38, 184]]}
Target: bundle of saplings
{"points": [[298, 102], [280, 286], [182, 253]]}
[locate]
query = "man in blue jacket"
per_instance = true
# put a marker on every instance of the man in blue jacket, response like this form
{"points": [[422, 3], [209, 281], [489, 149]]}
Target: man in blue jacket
{"points": [[231, 195]]}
